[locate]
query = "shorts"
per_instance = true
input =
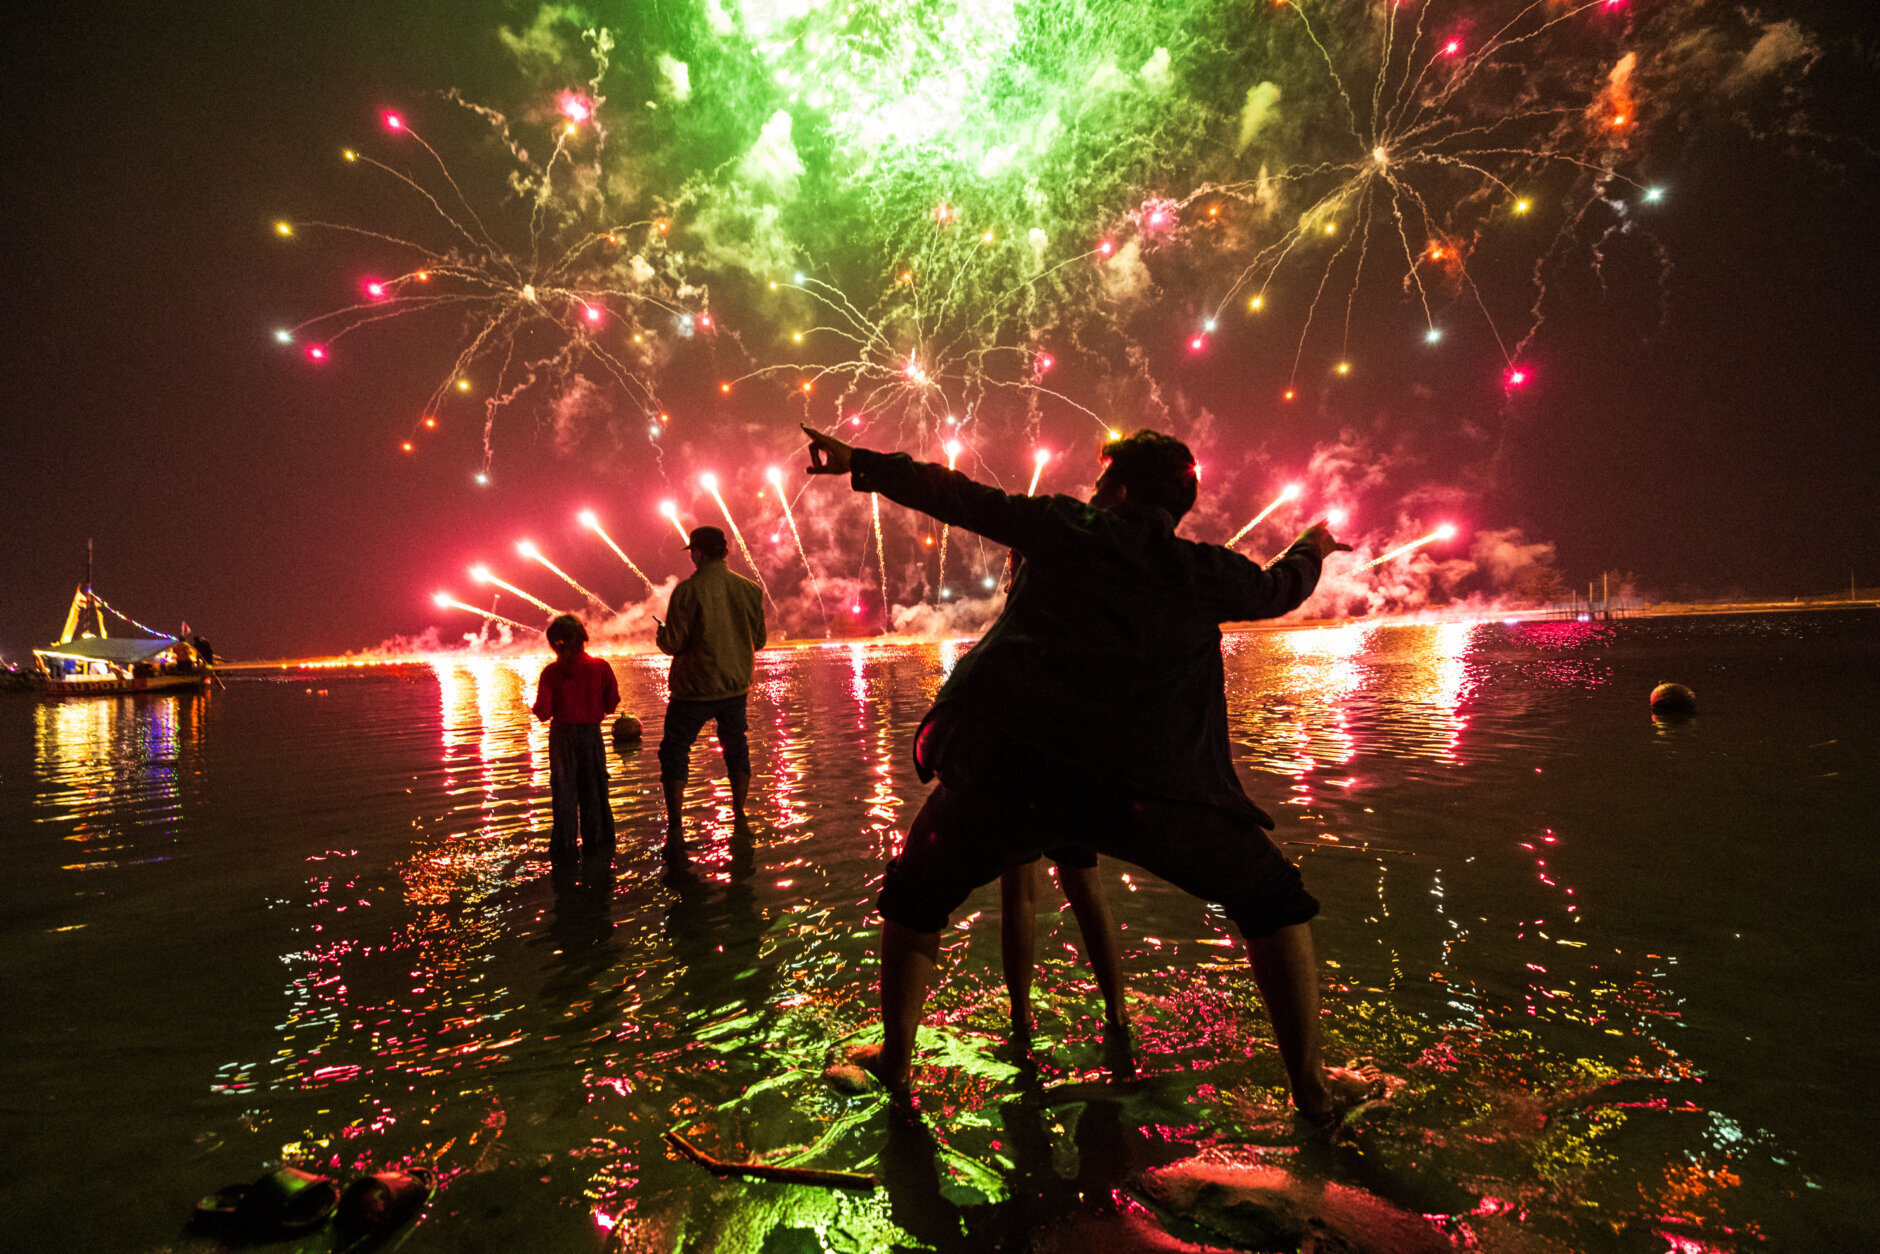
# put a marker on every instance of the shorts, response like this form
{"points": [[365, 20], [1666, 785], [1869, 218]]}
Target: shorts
{"points": [[1073, 856], [972, 831], [685, 719]]}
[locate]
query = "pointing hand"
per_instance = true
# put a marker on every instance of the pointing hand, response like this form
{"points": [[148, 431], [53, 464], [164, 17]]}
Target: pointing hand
{"points": [[1327, 544], [827, 455]]}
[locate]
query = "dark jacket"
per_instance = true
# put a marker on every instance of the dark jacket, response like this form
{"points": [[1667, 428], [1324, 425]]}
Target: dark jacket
{"points": [[714, 624], [1107, 657]]}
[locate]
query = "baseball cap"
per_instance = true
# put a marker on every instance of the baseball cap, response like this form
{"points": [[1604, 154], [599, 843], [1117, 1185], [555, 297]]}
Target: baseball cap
{"points": [[708, 540]]}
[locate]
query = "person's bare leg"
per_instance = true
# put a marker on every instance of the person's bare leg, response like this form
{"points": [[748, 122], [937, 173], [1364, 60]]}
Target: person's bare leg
{"points": [[1286, 969], [675, 807], [1084, 891], [908, 959], [1018, 907]]}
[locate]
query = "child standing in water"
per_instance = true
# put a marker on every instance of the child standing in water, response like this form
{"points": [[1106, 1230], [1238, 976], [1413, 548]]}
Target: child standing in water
{"points": [[1018, 909], [574, 694]]}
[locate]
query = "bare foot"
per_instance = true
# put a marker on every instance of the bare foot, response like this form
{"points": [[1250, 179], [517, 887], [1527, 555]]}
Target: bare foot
{"points": [[674, 851], [863, 1063], [1344, 1089], [1119, 1052]]}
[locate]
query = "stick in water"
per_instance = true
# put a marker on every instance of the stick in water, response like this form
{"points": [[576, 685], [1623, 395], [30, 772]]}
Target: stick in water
{"points": [[759, 1171]]}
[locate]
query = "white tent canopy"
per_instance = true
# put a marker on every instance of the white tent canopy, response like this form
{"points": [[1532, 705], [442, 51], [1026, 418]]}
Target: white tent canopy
{"points": [[123, 650]]}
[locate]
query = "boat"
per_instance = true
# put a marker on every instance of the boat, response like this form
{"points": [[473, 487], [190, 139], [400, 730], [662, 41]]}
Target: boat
{"points": [[87, 661]]}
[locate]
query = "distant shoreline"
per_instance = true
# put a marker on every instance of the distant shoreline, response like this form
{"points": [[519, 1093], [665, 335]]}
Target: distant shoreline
{"points": [[1663, 609]]}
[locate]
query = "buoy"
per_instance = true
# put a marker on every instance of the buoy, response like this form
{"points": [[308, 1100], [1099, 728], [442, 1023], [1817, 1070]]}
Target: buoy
{"points": [[627, 732], [1674, 699]]}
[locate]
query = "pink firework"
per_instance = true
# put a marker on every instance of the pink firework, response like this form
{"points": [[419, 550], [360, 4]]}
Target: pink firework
{"points": [[574, 106]]}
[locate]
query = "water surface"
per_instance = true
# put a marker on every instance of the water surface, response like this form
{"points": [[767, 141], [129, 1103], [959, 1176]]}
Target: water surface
{"points": [[1624, 966]]}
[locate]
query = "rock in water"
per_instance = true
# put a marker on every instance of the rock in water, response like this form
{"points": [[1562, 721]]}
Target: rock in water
{"points": [[627, 732], [1256, 1207], [1673, 699]]}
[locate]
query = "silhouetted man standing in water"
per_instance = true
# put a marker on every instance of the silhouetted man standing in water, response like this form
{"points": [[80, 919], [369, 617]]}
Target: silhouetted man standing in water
{"points": [[714, 627], [1093, 713]]}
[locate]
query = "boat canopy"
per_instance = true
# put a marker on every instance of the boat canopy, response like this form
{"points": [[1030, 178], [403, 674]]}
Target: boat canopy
{"points": [[124, 650]]}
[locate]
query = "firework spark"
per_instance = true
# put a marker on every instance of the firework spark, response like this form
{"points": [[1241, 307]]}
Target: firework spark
{"points": [[1288, 493], [1430, 165], [670, 513], [593, 523], [444, 600], [953, 449], [709, 482], [775, 476], [528, 550], [1038, 462], [483, 574], [1444, 532], [580, 290], [881, 550]]}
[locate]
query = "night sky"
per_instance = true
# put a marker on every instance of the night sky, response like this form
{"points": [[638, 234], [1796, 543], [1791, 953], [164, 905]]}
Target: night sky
{"points": [[1716, 437]]}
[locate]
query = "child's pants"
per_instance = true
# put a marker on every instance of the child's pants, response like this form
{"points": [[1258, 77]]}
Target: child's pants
{"points": [[577, 783]]}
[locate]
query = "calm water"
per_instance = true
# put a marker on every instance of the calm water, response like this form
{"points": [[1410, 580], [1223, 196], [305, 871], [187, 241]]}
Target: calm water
{"points": [[1627, 969]]}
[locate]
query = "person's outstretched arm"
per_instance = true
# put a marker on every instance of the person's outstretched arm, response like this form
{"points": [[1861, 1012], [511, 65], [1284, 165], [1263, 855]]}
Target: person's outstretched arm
{"points": [[1244, 591], [947, 495]]}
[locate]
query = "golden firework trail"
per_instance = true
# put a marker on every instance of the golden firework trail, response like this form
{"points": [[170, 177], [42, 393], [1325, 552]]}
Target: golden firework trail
{"points": [[671, 513], [953, 456], [530, 551], [1038, 461], [1288, 493], [709, 482], [593, 524], [1443, 532], [775, 476], [446, 601], [483, 574]]}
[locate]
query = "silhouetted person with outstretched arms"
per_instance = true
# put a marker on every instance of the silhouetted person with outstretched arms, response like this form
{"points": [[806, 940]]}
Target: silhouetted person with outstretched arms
{"points": [[1093, 713]]}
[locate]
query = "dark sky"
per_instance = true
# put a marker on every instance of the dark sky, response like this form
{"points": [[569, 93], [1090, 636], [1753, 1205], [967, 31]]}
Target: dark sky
{"points": [[148, 147]]}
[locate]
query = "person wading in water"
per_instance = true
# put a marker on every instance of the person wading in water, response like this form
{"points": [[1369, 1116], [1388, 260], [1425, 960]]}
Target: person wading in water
{"points": [[714, 627]]}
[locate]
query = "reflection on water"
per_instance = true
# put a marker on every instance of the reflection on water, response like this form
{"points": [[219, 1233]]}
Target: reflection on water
{"points": [[113, 769], [1485, 810]]}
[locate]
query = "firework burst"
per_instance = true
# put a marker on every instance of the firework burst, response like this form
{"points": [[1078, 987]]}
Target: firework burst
{"points": [[1011, 222], [925, 208], [573, 291]]}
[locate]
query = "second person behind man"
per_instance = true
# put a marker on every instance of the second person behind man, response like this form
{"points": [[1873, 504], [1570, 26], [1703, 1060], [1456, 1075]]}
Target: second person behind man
{"points": [[713, 629]]}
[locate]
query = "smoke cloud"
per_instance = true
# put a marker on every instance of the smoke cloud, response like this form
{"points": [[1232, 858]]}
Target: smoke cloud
{"points": [[1260, 111]]}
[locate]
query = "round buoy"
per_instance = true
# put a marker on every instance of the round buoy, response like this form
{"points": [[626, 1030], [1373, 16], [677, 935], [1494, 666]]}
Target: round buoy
{"points": [[1673, 699], [627, 732]]}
